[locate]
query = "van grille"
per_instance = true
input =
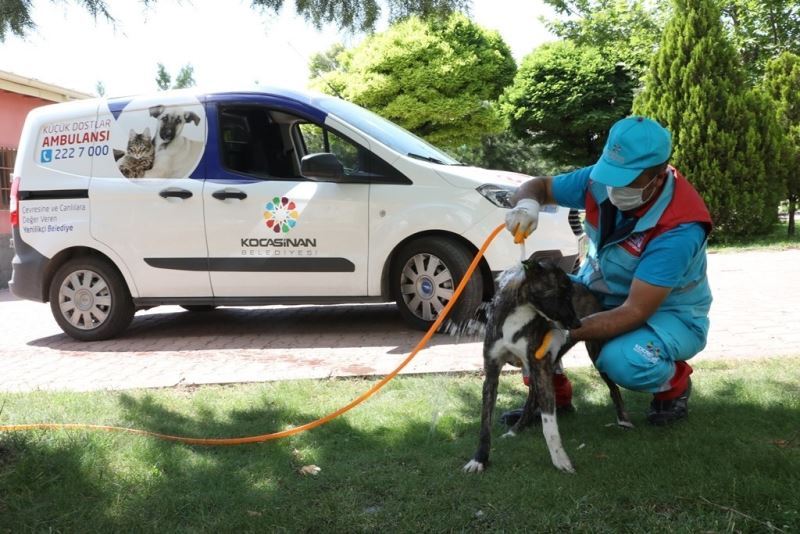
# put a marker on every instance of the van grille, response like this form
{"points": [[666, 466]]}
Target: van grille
{"points": [[575, 222]]}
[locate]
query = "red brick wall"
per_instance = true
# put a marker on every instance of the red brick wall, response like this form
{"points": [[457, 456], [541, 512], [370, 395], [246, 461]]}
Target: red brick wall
{"points": [[13, 110]]}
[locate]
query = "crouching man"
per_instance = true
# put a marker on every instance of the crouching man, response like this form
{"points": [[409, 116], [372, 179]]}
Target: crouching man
{"points": [[647, 230]]}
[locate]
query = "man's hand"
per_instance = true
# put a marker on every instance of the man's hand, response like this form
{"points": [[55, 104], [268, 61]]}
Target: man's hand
{"points": [[523, 219], [552, 343]]}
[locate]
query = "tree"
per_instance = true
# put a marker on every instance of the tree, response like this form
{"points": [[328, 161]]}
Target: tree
{"points": [[325, 62], [348, 15], [185, 78], [566, 97], [762, 29], [439, 79], [163, 79], [100, 89], [724, 136], [507, 152], [627, 30], [782, 84]]}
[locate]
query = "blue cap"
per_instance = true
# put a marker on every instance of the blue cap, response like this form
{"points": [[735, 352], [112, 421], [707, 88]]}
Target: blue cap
{"points": [[634, 144]]}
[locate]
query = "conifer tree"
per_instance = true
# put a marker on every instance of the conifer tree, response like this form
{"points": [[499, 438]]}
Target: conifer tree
{"points": [[782, 83], [726, 141]]}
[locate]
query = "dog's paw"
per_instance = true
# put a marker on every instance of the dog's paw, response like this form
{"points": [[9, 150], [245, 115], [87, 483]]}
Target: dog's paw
{"points": [[560, 459], [474, 466], [509, 434], [565, 466]]}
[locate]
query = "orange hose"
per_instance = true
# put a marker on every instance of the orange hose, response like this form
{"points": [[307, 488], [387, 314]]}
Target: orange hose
{"points": [[295, 430]]}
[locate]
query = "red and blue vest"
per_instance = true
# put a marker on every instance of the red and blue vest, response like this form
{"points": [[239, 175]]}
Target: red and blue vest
{"points": [[616, 246]]}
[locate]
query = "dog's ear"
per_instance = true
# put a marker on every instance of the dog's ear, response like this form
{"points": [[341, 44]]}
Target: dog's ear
{"points": [[190, 116], [156, 111], [531, 266], [548, 264]]}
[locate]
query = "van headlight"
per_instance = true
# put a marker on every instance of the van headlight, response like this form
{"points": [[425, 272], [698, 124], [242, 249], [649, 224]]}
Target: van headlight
{"points": [[499, 195]]}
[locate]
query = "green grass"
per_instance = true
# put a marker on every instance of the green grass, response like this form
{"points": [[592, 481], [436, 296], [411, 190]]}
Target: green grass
{"points": [[777, 239], [394, 463]]}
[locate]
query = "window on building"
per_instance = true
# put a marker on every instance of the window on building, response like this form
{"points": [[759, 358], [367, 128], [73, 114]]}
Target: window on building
{"points": [[7, 157]]}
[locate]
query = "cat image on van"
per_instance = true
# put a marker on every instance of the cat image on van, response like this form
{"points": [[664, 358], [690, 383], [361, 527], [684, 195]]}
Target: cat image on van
{"points": [[139, 156]]}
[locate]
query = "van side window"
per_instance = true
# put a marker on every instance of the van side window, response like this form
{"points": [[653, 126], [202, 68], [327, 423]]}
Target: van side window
{"points": [[361, 165], [269, 144], [315, 139], [253, 143]]}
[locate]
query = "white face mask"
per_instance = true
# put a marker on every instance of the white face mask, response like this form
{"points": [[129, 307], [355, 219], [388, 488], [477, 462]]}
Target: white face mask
{"points": [[628, 198]]}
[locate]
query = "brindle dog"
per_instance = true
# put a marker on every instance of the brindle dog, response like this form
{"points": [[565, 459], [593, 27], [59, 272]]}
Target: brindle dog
{"points": [[532, 299]]}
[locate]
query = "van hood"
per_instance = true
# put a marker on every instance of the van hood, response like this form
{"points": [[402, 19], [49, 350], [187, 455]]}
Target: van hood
{"points": [[472, 177]]}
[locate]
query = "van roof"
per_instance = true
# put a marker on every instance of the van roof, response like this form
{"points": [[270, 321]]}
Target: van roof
{"points": [[304, 96]]}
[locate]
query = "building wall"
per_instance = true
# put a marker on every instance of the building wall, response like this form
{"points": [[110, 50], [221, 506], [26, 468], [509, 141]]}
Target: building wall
{"points": [[14, 108]]}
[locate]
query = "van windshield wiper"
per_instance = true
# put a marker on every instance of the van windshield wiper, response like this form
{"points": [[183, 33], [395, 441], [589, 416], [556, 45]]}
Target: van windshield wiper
{"points": [[426, 158]]}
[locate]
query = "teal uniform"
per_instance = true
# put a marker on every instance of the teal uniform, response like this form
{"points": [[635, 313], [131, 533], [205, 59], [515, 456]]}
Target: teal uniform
{"points": [[662, 243]]}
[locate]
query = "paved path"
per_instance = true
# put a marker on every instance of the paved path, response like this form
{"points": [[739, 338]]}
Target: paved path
{"points": [[754, 315]]}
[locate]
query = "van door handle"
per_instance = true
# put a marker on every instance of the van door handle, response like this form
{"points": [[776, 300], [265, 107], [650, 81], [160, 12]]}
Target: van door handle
{"points": [[222, 194], [174, 192]]}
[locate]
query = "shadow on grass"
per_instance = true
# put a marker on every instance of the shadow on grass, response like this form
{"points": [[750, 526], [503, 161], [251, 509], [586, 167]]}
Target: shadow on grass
{"points": [[723, 469]]}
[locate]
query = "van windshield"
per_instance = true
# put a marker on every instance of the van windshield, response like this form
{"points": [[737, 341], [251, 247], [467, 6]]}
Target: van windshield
{"points": [[397, 138]]}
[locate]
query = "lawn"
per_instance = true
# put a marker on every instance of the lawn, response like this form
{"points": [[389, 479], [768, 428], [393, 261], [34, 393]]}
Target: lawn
{"points": [[777, 239], [394, 463]]}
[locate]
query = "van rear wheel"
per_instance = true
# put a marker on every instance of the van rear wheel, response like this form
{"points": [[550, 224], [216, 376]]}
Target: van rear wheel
{"points": [[425, 274], [89, 299]]}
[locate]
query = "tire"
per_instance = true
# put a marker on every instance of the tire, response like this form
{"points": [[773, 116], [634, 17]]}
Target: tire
{"points": [[199, 308], [425, 274], [102, 308]]}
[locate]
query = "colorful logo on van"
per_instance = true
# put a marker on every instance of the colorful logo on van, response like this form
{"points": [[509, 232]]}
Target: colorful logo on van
{"points": [[281, 215]]}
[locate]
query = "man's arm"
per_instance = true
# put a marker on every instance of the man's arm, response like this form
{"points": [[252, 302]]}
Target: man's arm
{"points": [[661, 268], [539, 189], [642, 302]]}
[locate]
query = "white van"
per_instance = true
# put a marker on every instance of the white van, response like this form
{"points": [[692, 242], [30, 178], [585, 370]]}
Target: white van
{"points": [[250, 198]]}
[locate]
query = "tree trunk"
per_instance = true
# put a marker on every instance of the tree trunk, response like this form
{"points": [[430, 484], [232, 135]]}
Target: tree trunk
{"points": [[792, 208]]}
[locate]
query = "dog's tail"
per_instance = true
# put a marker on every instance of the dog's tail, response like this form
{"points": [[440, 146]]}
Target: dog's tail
{"points": [[471, 328]]}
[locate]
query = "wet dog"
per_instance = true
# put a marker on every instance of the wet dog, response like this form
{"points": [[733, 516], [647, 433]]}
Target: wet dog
{"points": [[531, 300]]}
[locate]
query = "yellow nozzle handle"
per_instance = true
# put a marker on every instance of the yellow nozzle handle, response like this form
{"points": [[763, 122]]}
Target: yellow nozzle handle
{"points": [[541, 352], [520, 236]]}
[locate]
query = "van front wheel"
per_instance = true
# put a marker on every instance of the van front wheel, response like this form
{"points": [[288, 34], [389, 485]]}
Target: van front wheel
{"points": [[425, 274], [89, 299]]}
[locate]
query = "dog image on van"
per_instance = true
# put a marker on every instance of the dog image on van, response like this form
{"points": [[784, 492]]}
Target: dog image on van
{"points": [[175, 154], [531, 299]]}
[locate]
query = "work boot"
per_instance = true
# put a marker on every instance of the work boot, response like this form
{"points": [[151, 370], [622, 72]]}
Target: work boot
{"points": [[663, 412], [511, 417]]}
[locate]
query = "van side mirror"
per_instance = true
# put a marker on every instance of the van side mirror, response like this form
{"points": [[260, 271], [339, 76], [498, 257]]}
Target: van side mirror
{"points": [[322, 167]]}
